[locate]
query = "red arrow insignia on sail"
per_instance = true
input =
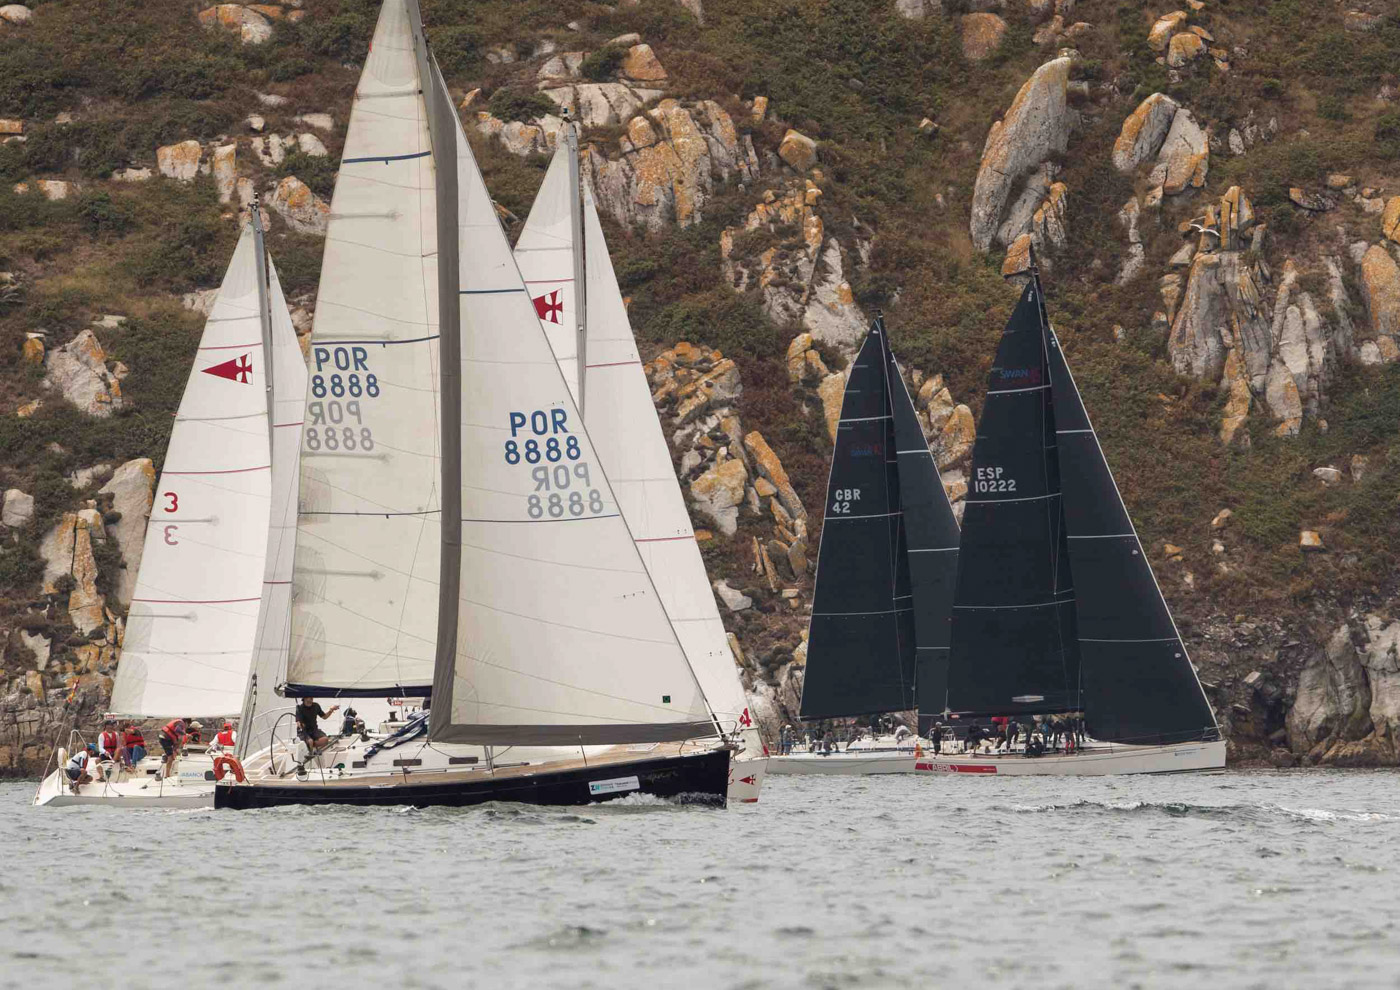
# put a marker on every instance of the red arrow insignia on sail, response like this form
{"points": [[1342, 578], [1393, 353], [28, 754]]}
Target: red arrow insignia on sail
{"points": [[549, 306], [747, 780], [239, 369]]}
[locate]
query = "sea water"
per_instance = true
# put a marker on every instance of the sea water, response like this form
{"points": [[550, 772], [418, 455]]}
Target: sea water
{"points": [[1240, 879]]}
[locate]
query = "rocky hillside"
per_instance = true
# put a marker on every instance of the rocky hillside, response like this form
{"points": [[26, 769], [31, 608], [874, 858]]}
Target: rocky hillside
{"points": [[1214, 191]]}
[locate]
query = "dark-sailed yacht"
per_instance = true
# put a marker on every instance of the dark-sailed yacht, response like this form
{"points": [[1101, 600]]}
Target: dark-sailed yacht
{"points": [[1057, 618], [878, 637]]}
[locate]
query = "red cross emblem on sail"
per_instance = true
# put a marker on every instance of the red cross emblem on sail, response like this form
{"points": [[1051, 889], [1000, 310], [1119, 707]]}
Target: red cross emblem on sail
{"points": [[239, 369], [550, 306]]}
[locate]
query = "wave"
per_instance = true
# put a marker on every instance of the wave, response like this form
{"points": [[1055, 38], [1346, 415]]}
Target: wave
{"points": [[1181, 809]]}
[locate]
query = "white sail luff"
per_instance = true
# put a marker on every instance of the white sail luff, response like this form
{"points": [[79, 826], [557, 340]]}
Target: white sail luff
{"points": [[274, 614], [364, 613], [560, 628], [193, 619]]}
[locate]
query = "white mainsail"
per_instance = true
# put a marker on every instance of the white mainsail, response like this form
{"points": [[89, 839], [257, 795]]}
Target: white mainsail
{"points": [[561, 636], [193, 620], [274, 615], [622, 419], [365, 590]]}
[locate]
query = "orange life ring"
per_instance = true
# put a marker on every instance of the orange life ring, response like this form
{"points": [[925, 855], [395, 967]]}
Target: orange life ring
{"points": [[223, 764]]}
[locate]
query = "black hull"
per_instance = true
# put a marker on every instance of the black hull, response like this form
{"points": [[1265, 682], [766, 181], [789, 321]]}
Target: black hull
{"points": [[699, 779]]}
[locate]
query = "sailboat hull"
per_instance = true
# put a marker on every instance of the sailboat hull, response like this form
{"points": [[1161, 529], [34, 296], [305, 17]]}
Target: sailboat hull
{"points": [[746, 779], [192, 788], [701, 778], [1095, 761]]}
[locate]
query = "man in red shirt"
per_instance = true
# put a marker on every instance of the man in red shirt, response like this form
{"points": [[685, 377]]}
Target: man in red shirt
{"points": [[172, 740]]}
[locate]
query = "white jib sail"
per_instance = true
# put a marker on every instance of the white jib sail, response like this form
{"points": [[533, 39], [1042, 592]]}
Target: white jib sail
{"points": [[627, 434], [274, 615], [562, 637], [193, 619], [545, 254], [365, 590]]}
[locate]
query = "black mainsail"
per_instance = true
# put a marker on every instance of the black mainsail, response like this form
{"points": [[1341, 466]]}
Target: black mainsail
{"points": [[879, 596], [1042, 506], [1014, 645]]}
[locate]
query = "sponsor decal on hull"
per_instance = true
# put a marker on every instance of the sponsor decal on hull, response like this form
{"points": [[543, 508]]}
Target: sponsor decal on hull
{"points": [[614, 786], [955, 767]]}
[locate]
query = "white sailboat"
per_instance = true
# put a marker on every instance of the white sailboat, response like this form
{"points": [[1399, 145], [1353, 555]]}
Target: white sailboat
{"points": [[474, 550], [568, 271], [208, 585]]}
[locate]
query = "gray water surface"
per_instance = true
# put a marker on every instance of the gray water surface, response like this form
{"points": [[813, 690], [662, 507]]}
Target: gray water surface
{"points": [[1232, 880]]}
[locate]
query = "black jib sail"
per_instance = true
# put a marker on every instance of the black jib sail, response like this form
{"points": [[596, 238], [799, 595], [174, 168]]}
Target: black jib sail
{"points": [[931, 535], [885, 505], [1014, 645], [1139, 685]]}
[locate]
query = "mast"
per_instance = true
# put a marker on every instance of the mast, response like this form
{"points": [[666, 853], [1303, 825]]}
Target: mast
{"points": [[580, 280], [442, 132], [264, 306]]}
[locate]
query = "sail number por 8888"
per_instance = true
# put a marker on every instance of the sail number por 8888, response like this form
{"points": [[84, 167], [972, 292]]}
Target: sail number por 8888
{"points": [[539, 440]]}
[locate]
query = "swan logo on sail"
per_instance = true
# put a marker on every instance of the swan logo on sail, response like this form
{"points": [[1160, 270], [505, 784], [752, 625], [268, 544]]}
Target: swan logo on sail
{"points": [[239, 369], [550, 306], [1021, 376]]}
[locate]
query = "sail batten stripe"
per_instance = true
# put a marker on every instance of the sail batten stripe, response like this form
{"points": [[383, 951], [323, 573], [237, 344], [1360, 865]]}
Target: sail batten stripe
{"points": [[380, 341], [1013, 391], [993, 608], [1106, 536], [888, 611], [864, 419], [265, 467], [1004, 501], [1155, 639], [933, 549], [611, 515], [871, 515], [487, 292], [385, 158], [192, 601]]}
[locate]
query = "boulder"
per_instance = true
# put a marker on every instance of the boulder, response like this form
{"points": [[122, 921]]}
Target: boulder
{"points": [[1329, 476], [719, 492], [832, 392], [1183, 49], [1359, 463], [913, 10], [601, 104], [1310, 540], [309, 144], [981, 35], [1137, 255], [39, 645], [797, 356], [1143, 132], [79, 370], [131, 175], [831, 312], [179, 161], [1333, 699], [798, 150], [300, 207], [734, 600], [956, 438], [1222, 304], [15, 13], [131, 490], [55, 189], [251, 26], [1380, 288], [1281, 394], [1184, 158], [18, 509], [1163, 29], [1390, 219], [320, 121], [641, 64], [225, 171], [272, 149], [1036, 125], [521, 138], [760, 109], [10, 127], [767, 464], [85, 603], [1314, 202], [1381, 658], [1238, 401]]}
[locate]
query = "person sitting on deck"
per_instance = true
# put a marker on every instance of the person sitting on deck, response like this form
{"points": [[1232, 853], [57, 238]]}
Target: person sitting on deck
{"points": [[224, 739], [172, 740], [79, 767], [135, 743], [308, 711], [974, 738]]}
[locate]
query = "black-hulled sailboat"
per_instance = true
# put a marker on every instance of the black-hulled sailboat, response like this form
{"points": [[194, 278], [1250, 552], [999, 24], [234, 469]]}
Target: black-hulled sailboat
{"points": [[1056, 612], [879, 633]]}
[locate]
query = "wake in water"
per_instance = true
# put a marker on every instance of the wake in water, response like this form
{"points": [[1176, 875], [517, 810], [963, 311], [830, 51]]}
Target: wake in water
{"points": [[1179, 809]]}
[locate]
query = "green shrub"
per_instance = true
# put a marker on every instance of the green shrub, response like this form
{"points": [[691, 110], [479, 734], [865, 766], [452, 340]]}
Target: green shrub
{"points": [[100, 214], [602, 64], [317, 171], [511, 103], [290, 68], [457, 49]]}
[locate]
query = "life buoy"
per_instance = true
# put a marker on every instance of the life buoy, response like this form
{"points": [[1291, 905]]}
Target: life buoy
{"points": [[223, 764]]}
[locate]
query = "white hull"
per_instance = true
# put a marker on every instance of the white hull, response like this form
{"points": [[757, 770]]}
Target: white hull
{"points": [[188, 790], [746, 778], [1095, 761]]}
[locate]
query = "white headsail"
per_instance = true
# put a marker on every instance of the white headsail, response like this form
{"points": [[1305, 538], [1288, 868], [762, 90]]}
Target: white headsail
{"points": [[561, 636], [364, 612], [193, 620], [274, 615], [626, 431]]}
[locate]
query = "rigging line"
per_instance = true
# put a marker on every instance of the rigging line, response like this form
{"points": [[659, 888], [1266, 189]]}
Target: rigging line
{"points": [[610, 515]]}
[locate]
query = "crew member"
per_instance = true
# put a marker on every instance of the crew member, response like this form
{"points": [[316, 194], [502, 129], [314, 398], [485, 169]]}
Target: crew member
{"points": [[226, 737], [79, 766], [308, 711], [172, 740], [135, 742], [109, 743]]}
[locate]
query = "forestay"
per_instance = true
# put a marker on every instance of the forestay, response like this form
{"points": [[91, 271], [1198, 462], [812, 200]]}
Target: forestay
{"points": [[561, 636], [1014, 646], [274, 610], [193, 619], [365, 602], [860, 646], [1139, 684]]}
